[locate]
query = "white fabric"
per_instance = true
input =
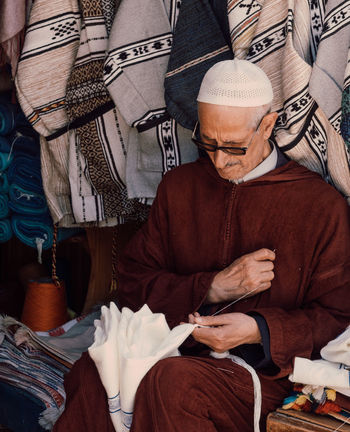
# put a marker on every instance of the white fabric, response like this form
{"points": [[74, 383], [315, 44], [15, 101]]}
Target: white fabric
{"points": [[321, 373], [331, 371], [237, 83], [338, 350], [264, 167], [126, 346]]}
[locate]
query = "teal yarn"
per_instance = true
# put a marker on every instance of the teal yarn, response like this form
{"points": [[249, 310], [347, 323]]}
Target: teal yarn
{"points": [[7, 118], [4, 206], [30, 228], [5, 230], [4, 183], [26, 202], [5, 160]]}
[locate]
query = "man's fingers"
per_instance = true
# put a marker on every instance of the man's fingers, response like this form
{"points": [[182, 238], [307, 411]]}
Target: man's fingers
{"points": [[214, 321], [267, 276], [263, 255]]}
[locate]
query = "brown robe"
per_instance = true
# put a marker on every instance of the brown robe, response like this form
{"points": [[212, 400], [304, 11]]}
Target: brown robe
{"points": [[199, 224]]}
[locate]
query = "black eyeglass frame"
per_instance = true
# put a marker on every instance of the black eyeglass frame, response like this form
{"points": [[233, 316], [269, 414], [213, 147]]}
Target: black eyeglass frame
{"points": [[238, 151]]}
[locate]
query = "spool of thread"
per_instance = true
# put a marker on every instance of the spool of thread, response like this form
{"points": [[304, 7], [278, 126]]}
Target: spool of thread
{"points": [[45, 305]]}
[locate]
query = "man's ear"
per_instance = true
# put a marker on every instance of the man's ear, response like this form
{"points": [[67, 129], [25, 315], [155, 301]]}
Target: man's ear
{"points": [[268, 124]]}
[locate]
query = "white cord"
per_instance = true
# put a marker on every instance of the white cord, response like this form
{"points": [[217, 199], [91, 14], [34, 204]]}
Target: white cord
{"points": [[39, 246], [256, 383], [235, 301]]}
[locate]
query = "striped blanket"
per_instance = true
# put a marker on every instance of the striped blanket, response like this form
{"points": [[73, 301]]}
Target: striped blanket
{"points": [[34, 371], [52, 39], [37, 361]]}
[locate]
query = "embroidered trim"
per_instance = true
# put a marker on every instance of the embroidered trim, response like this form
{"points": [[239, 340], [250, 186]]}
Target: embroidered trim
{"points": [[168, 142], [138, 52], [51, 34], [271, 39], [335, 20]]}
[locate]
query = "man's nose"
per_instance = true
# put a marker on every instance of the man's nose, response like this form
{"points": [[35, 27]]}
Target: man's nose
{"points": [[220, 159]]}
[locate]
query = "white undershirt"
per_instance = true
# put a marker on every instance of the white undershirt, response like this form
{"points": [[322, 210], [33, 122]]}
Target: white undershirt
{"points": [[264, 167]]}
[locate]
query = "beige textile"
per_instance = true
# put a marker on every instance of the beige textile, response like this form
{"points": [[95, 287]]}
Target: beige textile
{"points": [[303, 132], [242, 17], [50, 46]]}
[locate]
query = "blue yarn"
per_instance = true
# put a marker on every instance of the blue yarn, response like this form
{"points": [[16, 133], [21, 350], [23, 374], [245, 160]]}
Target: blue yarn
{"points": [[4, 184], [7, 117], [4, 206], [5, 230], [25, 172], [28, 228], [27, 145], [26, 202], [5, 145], [5, 160]]}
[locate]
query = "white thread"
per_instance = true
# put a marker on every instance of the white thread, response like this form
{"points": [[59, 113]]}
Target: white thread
{"points": [[235, 301], [39, 246], [18, 135], [257, 389], [25, 195], [256, 383]]}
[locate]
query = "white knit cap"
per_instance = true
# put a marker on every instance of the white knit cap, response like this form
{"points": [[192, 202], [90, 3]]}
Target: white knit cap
{"points": [[238, 83]]}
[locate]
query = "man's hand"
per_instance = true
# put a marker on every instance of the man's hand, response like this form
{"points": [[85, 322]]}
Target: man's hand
{"points": [[227, 330], [250, 272]]}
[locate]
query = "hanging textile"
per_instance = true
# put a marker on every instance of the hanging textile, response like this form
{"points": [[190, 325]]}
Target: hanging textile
{"points": [[199, 43], [289, 43], [242, 18], [50, 46], [100, 134], [345, 119], [138, 53], [304, 131]]}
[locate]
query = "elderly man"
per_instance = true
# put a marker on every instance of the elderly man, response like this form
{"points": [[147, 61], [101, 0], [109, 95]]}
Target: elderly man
{"points": [[244, 242]]}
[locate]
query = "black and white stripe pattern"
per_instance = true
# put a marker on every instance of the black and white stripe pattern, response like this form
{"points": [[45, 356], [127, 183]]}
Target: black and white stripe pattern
{"points": [[270, 40], [48, 35], [336, 19], [316, 137], [294, 109], [137, 52], [317, 13], [168, 142]]}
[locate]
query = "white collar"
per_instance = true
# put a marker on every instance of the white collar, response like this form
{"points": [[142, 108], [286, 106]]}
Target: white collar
{"points": [[264, 167]]}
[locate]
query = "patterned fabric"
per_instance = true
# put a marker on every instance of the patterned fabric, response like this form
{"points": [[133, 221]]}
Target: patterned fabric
{"points": [[100, 133], [52, 39], [139, 48], [243, 16], [199, 43], [345, 121], [34, 371], [304, 131]]}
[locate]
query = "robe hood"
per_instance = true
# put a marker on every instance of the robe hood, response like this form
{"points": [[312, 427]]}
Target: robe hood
{"points": [[289, 172]]}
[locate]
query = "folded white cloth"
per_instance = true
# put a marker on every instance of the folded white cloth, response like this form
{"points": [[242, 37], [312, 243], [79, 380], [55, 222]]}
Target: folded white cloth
{"points": [[338, 349], [321, 373], [126, 346]]}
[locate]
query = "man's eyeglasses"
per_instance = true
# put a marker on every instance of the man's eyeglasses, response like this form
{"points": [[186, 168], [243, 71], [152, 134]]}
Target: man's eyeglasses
{"points": [[229, 150]]}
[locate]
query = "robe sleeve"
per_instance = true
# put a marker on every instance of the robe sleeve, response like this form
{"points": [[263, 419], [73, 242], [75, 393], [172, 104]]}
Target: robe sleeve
{"points": [[147, 275], [325, 309]]}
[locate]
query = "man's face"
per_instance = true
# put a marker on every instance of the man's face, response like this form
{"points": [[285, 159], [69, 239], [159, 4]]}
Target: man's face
{"points": [[233, 127]]}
